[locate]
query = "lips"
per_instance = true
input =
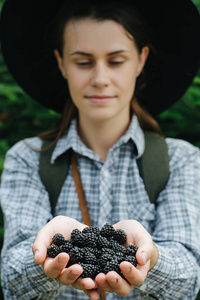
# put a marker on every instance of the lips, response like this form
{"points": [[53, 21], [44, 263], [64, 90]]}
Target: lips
{"points": [[99, 98]]}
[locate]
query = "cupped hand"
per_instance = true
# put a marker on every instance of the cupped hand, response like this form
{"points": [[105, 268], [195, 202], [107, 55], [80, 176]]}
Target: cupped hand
{"points": [[147, 256], [56, 267]]}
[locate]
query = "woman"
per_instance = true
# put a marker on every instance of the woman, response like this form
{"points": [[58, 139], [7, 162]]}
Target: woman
{"points": [[102, 51]]}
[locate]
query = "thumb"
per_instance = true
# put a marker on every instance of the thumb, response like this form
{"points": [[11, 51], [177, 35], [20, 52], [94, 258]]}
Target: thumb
{"points": [[40, 246], [39, 249], [142, 256], [147, 253]]}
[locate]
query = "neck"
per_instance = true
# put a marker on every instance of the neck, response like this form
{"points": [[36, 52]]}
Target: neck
{"points": [[101, 136]]}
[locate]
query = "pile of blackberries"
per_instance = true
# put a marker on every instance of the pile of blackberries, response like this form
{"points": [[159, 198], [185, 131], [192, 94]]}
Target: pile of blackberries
{"points": [[95, 250]]}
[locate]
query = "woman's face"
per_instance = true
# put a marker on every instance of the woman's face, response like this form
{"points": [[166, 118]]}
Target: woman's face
{"points": [[100, 63]]}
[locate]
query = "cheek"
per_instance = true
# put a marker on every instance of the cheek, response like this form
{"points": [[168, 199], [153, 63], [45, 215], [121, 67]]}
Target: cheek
{"points": [[77, 87], [77, 80], [128, 81], [128, 75]]}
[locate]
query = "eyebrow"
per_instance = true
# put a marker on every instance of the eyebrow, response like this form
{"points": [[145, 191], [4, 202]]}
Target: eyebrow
{"points": [[89, 55]]}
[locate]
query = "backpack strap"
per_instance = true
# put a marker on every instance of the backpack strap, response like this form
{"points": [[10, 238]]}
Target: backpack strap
{"points": [[52, 175], [154, 164], [153, 168]]}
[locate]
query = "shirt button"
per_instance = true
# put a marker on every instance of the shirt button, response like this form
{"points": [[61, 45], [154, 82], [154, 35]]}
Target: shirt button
{"points": [[106, 174]]}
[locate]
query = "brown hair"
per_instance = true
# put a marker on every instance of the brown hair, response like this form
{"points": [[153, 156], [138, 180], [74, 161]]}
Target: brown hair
{"points": [[147, 122]]}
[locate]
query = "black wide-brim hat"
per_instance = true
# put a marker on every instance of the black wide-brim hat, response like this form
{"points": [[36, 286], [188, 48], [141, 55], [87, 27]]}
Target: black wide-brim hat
{"points": [[176, 26]]}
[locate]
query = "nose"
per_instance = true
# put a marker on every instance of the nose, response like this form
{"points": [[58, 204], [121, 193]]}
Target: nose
{"points": [[100, 76]]}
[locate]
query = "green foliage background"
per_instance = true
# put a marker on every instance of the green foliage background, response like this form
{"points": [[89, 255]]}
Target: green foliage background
{"points": [[21, 117]]}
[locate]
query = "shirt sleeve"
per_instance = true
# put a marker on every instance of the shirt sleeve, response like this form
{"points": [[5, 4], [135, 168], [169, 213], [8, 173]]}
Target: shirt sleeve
{"points": [[26, 209], [176, 232]]}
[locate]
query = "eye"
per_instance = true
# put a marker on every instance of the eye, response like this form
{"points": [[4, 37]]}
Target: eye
{"points": [[116, 62], [84, 63]]}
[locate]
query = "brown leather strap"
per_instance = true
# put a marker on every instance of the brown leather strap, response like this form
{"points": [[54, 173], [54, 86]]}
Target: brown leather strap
{"points": [[80, 191], [102, 294], [82, 201]]}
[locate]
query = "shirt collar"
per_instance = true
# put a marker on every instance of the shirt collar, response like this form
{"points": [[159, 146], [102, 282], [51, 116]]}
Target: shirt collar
{"points": [[71, 140], [136, 135]]}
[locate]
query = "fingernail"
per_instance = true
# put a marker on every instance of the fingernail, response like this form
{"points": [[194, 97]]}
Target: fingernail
{"points": [[61, 260], [36, 256], [36, 253], [75, 273], [127, 270]]}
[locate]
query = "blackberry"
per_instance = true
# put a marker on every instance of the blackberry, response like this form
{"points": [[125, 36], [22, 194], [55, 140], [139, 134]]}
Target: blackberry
{"points": [[95, 250], [120, 236], [91, 229], [117, 248], [119, 257], [67, 246], [103, 242], [107, 251], [111, 266], [90, 240], [84, 250], [107, 230], [104, 259], [90, 258], [131, 259], [77, 238], [75, 233], [89, 270], [58, 239], [53, 251], [75, 256], [131, 250]]}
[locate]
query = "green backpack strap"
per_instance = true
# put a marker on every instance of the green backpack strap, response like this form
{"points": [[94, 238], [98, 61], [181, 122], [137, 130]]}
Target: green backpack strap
{"points": [[153, 167], [154, 164], [52, 175]]}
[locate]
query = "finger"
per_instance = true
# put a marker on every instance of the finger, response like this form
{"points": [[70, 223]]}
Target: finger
{"points": [[145, 253], [92, 294], [135, 276], [70, 275], [119, 285], [85, 284], [42, 242], [40, 253], [102, 282], [53, 267]]}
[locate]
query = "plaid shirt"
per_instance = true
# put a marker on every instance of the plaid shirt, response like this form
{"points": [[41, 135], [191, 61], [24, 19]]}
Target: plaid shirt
{"points": [[114, 191]]}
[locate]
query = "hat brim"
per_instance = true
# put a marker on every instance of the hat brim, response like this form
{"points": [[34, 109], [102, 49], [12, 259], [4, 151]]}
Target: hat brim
{"points": [[176, 25]]}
